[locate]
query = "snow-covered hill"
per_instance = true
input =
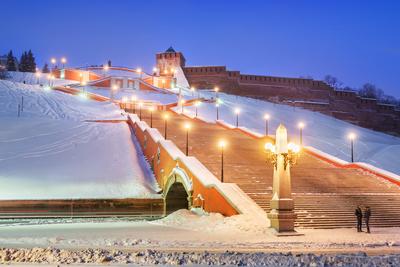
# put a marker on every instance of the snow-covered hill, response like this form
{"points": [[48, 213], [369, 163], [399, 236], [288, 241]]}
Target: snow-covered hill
{"points": [[31, 78], [322, 132], [51, 152]]}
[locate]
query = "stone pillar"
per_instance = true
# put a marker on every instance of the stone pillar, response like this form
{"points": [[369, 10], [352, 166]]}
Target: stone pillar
{"points": [[282, 215]]}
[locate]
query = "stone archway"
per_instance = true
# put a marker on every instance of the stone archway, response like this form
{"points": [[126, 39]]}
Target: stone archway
{"points": [[178, 191]]}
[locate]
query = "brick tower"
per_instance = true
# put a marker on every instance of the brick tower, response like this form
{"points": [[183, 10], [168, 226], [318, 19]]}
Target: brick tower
{"points": [[169, 60]]}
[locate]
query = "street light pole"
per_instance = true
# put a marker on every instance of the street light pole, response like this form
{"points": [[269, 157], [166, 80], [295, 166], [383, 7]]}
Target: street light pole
{"points": [[140, 110], [352, 136], [301, 126], [197, 104], [237, 111], [134, 98], [151, 116], [222, 144], [217, 106], [187, 127], [165, 126], [266, 117]]}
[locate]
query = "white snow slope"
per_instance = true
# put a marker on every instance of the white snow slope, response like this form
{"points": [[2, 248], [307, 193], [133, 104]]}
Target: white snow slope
{"points": [[50, 152], [321, 131]]}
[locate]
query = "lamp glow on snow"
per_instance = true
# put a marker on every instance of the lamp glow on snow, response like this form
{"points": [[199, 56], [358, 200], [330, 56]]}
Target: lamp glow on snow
{"points": [[352, 137], [222, 145], [237, 112], [165, 117], [187, 127], [301, 126], [267, 117]]}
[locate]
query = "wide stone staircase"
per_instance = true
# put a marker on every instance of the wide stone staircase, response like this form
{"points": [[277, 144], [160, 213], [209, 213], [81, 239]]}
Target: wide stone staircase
{"points": [[325, 196]]}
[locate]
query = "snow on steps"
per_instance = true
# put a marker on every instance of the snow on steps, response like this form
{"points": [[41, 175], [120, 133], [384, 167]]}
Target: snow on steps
{"points": [[240, 201], [392, 177]]}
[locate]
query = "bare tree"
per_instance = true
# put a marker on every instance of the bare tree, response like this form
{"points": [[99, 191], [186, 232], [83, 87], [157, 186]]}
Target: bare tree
{"points": [[371, 91], [333, 81]]}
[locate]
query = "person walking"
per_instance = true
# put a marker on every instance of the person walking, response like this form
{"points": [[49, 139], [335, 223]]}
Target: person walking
{"points": [[367, 214], [358, 213]]}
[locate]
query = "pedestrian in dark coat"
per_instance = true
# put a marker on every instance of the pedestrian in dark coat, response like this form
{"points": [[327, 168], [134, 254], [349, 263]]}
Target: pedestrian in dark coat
{"points": [[367, 214], [359, 216]]}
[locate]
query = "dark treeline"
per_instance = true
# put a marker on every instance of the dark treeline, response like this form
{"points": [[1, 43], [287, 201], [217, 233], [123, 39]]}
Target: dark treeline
{"points": [[367, 90], [27, 62]]}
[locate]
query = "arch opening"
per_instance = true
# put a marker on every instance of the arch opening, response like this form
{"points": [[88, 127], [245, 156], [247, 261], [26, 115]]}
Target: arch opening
{"points": [[176, 198]]}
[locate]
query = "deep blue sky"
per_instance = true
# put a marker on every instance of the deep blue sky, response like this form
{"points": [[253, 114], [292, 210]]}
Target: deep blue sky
{"points": [[356, 41]]}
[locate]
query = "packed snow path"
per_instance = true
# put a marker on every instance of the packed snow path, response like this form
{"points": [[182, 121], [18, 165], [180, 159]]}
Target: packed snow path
{"points": [[50, 152]]}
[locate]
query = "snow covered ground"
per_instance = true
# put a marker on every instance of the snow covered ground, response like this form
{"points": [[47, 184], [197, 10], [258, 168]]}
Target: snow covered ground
{"points": [[186, 231], [141, 95], [322, 132], [30, 78], [52, 152]]}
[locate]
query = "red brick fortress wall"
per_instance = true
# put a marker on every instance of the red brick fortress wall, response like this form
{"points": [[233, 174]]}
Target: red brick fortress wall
{"points": [[307, 93]]}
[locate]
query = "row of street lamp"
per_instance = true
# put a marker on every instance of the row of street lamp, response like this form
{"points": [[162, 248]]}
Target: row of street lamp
{"points": [[222, 143]]}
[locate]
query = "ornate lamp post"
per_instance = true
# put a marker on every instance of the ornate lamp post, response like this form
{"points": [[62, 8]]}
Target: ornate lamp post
{"points": [[166, 116], [187, 128], [222, 145], [237, 112], [266, 118], [301, 126], [282, 156], [352, 137]]}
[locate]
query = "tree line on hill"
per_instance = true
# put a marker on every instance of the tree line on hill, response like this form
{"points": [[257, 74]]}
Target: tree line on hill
{"points": [[27, 63], [367, 90]]}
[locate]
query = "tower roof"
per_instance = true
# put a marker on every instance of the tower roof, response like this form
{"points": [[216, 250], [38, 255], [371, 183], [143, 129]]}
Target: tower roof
{"points": [[170, 50]]}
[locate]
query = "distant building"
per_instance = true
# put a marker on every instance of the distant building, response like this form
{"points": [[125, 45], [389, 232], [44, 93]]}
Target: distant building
{"points": [[299, 92], [169, 60]]}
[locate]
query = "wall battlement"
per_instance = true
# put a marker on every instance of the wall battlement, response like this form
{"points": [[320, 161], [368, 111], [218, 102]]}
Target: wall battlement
{"points": [[307, 93], [300, 92]]}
